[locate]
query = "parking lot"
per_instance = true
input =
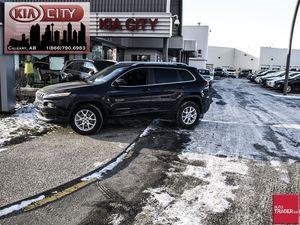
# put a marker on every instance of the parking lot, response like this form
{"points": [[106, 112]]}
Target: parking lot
{"points": [[224, 171]]}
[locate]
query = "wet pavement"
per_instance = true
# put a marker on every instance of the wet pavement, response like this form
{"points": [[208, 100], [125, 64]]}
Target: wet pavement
{"points": [[224, 171]]}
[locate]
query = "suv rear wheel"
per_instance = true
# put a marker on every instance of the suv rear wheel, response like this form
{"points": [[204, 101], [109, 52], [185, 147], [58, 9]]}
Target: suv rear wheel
{"points": [[87, 120], [188, 115]]}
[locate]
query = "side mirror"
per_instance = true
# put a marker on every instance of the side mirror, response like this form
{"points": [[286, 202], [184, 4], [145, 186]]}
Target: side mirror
{"points": [[120, 82]]}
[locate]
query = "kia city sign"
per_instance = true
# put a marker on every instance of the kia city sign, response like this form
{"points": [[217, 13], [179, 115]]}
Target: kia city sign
{"points": [[47, 28], [131, 25]]}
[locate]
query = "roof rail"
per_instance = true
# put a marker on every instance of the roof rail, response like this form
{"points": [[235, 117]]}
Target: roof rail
{"points": [[155, 63]]}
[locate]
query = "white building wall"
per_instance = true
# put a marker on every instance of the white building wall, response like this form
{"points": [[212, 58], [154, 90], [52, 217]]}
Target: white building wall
{"points": [[220, 57], [275, 58], [244, 60], [199, 34], [231, 57]]}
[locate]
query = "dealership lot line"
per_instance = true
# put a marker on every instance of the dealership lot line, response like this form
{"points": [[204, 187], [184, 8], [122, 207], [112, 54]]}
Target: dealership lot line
{"points": [[231, 164]]}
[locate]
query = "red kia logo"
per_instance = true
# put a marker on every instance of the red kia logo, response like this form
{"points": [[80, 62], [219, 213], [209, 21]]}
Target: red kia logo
{"points": [[25, 13], [51, 13]]}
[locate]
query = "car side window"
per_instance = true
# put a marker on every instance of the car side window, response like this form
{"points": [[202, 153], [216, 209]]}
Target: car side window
{"points": [[137, 77], [186, 76], [88, 67], [165, 75], [74, 66]]}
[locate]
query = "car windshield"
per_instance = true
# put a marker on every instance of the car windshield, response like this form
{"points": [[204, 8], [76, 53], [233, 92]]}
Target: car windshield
{"points": [[279, 73], [204, 72], [292, 76], [103, 64], [106, 74]]}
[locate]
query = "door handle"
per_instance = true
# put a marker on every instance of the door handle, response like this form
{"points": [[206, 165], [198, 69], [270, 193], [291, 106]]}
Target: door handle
{"points": [[147, 89]]}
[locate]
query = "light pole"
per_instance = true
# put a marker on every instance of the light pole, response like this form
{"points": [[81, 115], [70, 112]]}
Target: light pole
{"points": [[288, 61]]}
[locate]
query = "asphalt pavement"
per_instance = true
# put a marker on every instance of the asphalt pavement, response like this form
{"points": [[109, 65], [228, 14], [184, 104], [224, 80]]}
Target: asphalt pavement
{"points": [[48, 161], [224, 171]]}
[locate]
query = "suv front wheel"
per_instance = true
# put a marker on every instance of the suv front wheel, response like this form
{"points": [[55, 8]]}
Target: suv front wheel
{"points": [[188, 115], [87, 120]]}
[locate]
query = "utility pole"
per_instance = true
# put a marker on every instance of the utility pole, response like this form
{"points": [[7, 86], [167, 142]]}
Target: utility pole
{"points": [[288, 61]]}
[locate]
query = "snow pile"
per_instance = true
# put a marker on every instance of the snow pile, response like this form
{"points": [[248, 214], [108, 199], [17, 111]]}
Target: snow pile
{"points": [[18, 207], [152, 127], [213, 194], [282, 170], [99, 174], [22, 124], [116, 219]]}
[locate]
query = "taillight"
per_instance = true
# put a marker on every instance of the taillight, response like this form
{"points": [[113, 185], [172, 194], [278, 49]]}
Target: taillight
{"points": [[206, 83]]}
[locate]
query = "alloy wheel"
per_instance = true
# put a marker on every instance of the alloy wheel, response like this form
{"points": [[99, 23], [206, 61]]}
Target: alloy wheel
{"points": [[85, 120], [189, 115]]}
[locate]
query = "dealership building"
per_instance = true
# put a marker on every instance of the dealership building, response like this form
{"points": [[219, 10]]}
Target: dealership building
{"points": [[231, 58], [275, 58], [161, 40]]}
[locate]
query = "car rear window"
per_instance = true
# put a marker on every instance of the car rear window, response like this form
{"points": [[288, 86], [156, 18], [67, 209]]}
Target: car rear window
{"points": [[204, 72], [164, 75], [185, 75]]}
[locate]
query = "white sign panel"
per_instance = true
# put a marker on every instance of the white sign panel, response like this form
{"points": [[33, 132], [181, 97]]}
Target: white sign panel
{"points": [[131, 25]]}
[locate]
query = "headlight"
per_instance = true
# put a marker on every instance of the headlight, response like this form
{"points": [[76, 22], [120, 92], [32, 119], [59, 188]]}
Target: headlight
{"points": [[58, 95]]}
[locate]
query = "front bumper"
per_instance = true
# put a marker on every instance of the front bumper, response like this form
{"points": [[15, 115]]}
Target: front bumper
{"points": [[57, 113], [270, 84]]}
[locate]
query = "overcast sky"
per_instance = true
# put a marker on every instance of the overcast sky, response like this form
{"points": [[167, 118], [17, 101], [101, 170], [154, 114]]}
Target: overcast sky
{"points": [[244, 24]]}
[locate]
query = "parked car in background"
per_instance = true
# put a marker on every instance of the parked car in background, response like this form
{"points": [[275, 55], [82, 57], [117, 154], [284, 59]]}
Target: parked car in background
{"points": [[231, 73], [81, 69], [263, 80], [273, 76], [165, 90], [206, 74], [293, 85], [245, 73], [219, 72], [260, 74]]}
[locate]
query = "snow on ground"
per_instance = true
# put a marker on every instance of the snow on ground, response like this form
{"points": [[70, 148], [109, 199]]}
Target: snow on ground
{"points": [[282, 171], [20, 206], [116, 219], [212, 194], [20, 125]]}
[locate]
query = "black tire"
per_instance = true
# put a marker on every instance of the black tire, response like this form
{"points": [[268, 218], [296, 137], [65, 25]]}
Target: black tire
{"points": [[97, 118], [180, 114]]}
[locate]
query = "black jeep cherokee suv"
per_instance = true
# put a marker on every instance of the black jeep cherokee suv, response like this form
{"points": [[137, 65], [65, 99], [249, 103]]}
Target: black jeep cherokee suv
{"points": [[167, 90]]}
